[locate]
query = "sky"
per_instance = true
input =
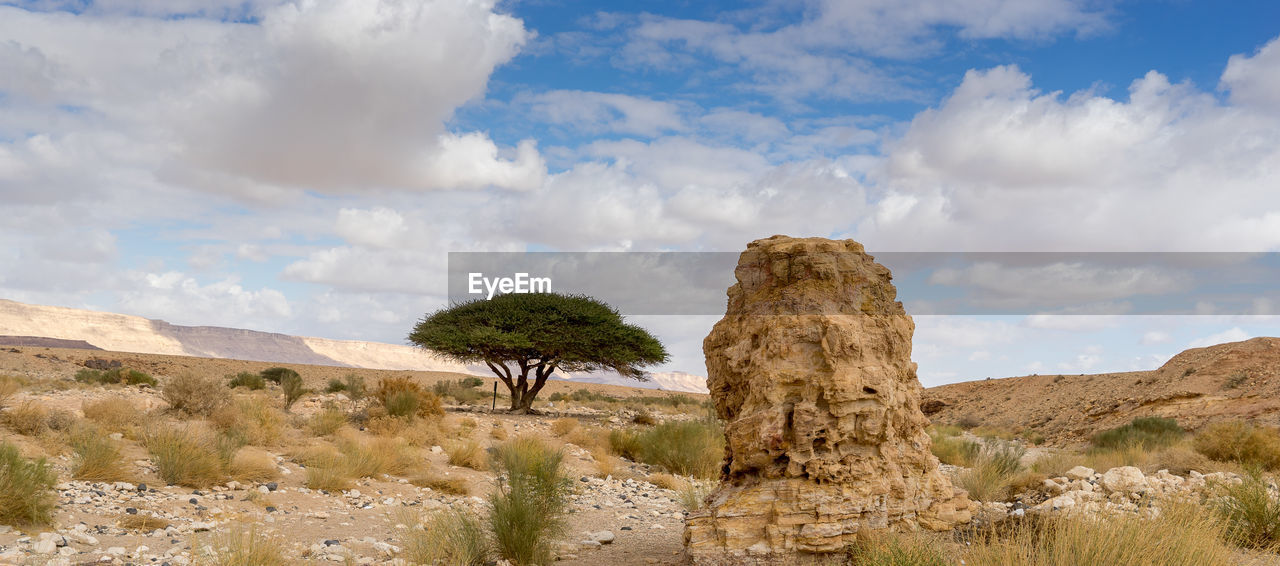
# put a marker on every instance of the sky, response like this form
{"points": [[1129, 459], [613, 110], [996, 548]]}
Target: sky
{"points": [[306, 166]]}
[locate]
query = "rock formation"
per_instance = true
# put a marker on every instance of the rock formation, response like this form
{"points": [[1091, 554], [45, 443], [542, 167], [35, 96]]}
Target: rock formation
{"points": [[811, 370]]}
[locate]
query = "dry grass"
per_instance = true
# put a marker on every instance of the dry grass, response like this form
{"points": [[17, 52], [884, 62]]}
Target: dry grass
{"points": [[185, 456], [142, 521], [372, 456], [896, 550], [404, 398], [1240, 442], [690, 448], [591, 438], [9, 386], [194, 395], [668, 481], [561, 427], [34, 419], [1182, 535], [253, 420], [327, 422], [693, 496], [253, 465], [1251, 513], [26, 489], [993, 471], [328, 474], [608, 465], [467, 453], [454, 537], [450, 485], [97, 458], [955, 450], [115, 414], [499, 431], [243, 547]]}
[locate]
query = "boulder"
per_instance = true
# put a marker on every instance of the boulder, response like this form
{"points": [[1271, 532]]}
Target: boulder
{"points": [[811, 370], [1125, 479], [1079, 473]]}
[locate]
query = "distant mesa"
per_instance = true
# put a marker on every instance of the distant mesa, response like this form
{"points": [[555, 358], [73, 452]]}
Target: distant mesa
{"points": [[43, 342]]}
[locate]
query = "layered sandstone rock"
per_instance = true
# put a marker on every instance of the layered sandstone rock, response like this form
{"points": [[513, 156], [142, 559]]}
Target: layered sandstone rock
{"points": [[811, 370]]}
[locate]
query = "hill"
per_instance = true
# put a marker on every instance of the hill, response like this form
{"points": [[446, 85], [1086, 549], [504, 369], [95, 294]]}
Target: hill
{"points": [[1233, 380]]}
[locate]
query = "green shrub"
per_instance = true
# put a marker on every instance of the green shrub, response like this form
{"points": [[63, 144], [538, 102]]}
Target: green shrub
{"points": [[1241, 442], [1145, 432], [451, 536], [955, 450], [117, 376], [459, 390], [354, 387], [26, 489], [691, 448], [992, 471], [335, 386], [251, 381], [291, 386], [194, 395], [526, 513], [276, 375], [327, 421], [1251, 513], [471, 382], [1235, 380]]}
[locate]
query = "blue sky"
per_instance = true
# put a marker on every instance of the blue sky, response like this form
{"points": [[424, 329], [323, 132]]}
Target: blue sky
{"points": [[305, 167]]}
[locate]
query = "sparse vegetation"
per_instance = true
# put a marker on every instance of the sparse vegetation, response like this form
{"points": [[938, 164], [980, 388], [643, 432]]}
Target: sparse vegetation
{"points": [[462, 391], [26, 489], [561, 427], [142, 521], [895, 550], [276, 375], [97, 458], [253, 465], [247, 380], [33, 419], [327, 422], [1235, 380], [9, 386], [1144, 432], [1251, 512], [402, 397], [194, 395], [371, 456], [969, 422], [291, 386], [644, 417], [992, 471], [467, 453], [243, 546], [251, 419], [452, 536], [955, 450], [693, 496], [185, 456], [114, 414], [1240, 442], [526, 513], [691, 448], [116, 376], [450, 485]]}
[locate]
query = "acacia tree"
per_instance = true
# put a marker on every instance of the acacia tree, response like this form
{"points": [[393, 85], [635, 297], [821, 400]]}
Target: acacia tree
{"points": [[525, 337]]}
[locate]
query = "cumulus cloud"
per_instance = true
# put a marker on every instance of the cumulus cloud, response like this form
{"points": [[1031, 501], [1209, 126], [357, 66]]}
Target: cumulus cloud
{"points": [[1057, 284], [1255, 80], [1235, 334], [597, 112], [182, 299]]}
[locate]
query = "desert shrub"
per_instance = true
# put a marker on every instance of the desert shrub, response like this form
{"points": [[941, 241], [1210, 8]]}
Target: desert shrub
{"points": [[498, 432], [667, 481], [992, 472], [1240, 442], [583, 395], [1056, 464], [1235, 380], [97, 458], [644, 417], [895, 550], [452, 536], [373, 456], [185, 456], [250, 381], [450, 485], [1145, 432], [328, 472], [253, 465], [115, 376], [243, 546], [690, 448], [291, 386], [561, 427], [969, 422], [114, 414], [402, 397], [692, 496], [326, 422], [9, 386], [26, 489], [1251, 513], [610, 466], [252, 420], [28, 419], [193, 394], [526, 512], [353, 386], [955, 450], [467, 453], [276, 375], [1181, 535], [335, 386], [460, 390]]}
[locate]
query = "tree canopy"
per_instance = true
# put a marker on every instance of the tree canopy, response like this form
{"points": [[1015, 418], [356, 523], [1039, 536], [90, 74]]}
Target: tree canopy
{"points": [[518, 333]]}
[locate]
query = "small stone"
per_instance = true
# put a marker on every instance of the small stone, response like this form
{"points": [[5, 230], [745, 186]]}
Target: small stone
{"points": [[131, 510], [602, 537], [271, 509], [44, 546], [193, 501], [117, 551], [331, 542], [272, 486], [142, 487]]}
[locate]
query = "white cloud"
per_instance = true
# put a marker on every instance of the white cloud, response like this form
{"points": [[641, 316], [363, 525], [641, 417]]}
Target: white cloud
{"points": [[1235, 334], [378, 227], [1155, 337], [1255, 80], [1072, 322], [1059, 283], [179, 298], [979, 356]]}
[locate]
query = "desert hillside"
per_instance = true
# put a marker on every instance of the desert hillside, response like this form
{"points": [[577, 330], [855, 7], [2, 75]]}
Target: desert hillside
{"points": [[1234, 380]]}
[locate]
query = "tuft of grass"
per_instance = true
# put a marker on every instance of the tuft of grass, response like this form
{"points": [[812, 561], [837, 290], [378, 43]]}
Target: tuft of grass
{"points": [[28, 419], [1144, 432], [253, 465], [251, 419], [250, 381], [291, 386], [1240, 442], [1251, 513], [194, 395], [144, 522], [373, 456], [26, 489], [895, 550], [451, 485], [402, 397], [667, 481], [993, 471], [328, 473], [1182, 535], [467, 453], [97, 458], [9, 386], [353, 386], [243, 547], [693, 496], [526, 512], [1235, 380], [499, 431], [644, 417], [327, 422], [955, 450], [185, 456], [561, 427], [116, 376], [451, 536], [462, 391], [114, 414], [689, 448]]}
